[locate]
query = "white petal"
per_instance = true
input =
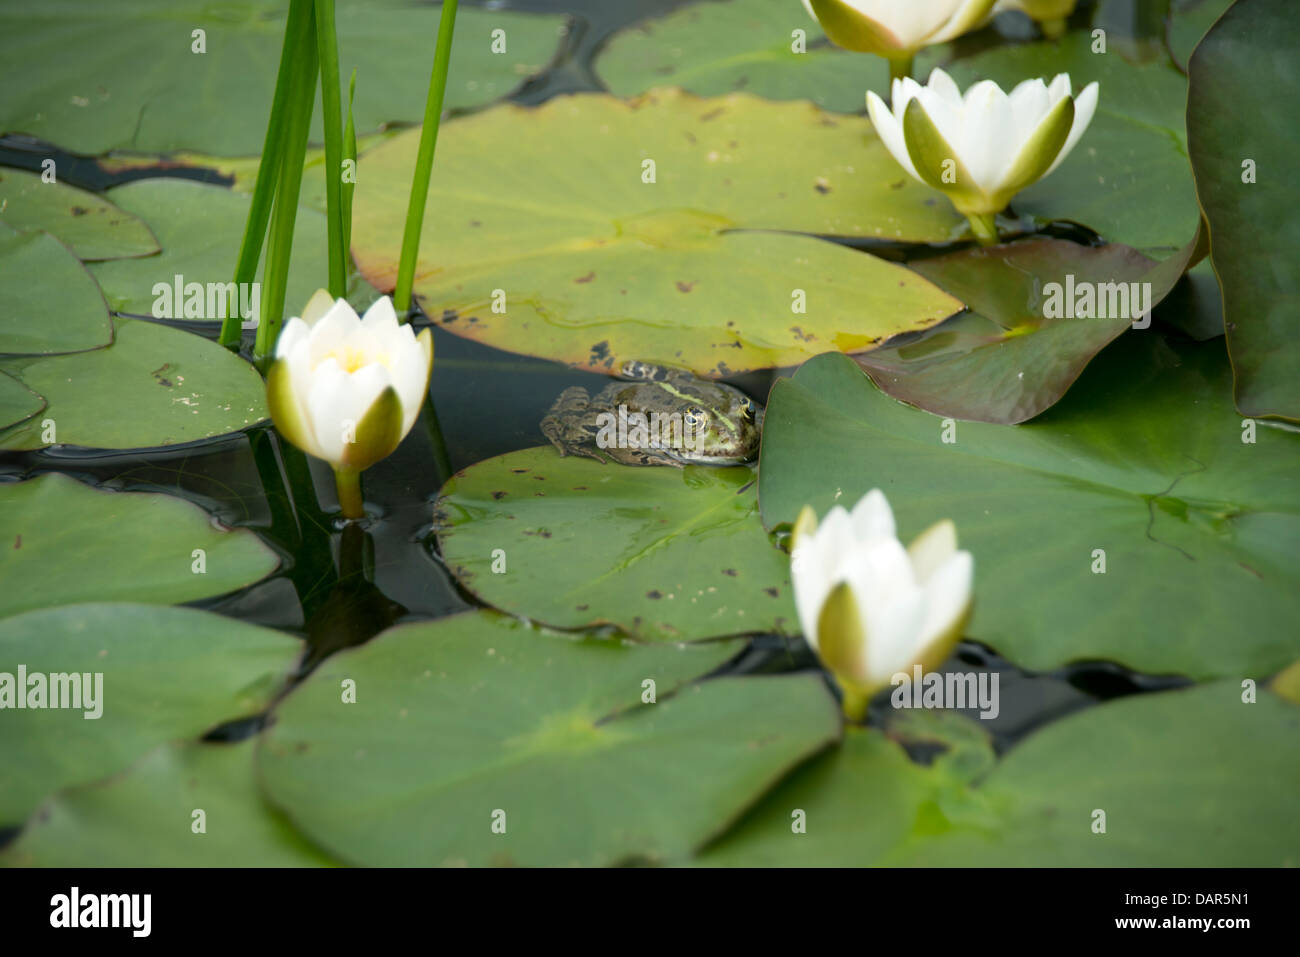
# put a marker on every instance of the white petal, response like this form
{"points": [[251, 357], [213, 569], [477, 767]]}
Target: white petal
{"points": [[946, 595], [292, 333], [1030, 102], [338, 401], [331, 330], [941, 83], [890, 131], [381, 313], [873, 518]]}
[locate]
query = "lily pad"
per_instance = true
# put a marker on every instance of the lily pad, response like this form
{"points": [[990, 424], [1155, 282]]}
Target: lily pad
{"points": [[740, 45], [145, 817], [665, 554], [17, 402], [1166, 806], [217, 101], [205, 256], [1189, 21], [1128, 178], [486, 741], [164, 387], [89, 225], [167, 674], [698, 268], [48, 302], [1242, 149], [1139, 520], [130, 546], [1004, 361]]}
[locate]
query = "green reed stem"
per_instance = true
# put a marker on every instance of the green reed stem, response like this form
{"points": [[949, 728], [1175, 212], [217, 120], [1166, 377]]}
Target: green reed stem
{"points": [[349, 184], [327, 48], [424, 162], [302, 98], [297, 25]]}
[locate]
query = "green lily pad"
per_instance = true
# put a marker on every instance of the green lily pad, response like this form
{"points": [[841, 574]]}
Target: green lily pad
{"points": [[480, 719], [17, 402], [130, 546], [165, 387], [145, 817], [1005, 361], [1128, 178], [698, 268], [1189, 21], [1142, 465], [665, 554], [92, 227], [740, 45], [217, 101], [48, 302], [167, 674], [205, 256], [1141, 760], [1239, 74]]}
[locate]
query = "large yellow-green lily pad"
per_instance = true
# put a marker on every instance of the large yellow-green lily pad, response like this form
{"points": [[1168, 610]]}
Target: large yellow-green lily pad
{"points": [[153, 386], [141, 83], [550, 206], [147, 816], [166, 674], [63, 542], [91, 226], [1139, 520], [726, 46], [1191, 778], [1243, 149], [17, 402], [1005, 360], [480, 740], [48, 302], [665, 554], [200, 227]]}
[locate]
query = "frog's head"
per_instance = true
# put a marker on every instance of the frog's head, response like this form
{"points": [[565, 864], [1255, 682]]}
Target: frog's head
{"points": [[724, 429]]}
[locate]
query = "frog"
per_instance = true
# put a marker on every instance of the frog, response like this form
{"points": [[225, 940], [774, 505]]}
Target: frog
{"points": [[656, 415]]}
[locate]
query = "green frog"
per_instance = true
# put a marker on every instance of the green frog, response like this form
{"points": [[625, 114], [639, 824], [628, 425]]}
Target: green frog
{"points": [[657, 416]]}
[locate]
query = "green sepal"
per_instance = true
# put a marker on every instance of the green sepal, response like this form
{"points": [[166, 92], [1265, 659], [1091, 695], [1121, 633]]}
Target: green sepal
{"points": [[378, 433], [851, 30], [929, 151], [284, 408], [1041, 149]]}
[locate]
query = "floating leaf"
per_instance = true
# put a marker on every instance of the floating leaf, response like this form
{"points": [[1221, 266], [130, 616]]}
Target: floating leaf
{"points": [[740, 45], [92, 227], [216, 100], [1141, 759], [17, 402], [1005, 361], [1189, 21], [486, 741], [204, 256], [1128, 177], [663, 553], [164, 387], [144, 817], [1239, 74], [48, 302], [697, 268], [167, 673], [1136, 521], [130, 546]]}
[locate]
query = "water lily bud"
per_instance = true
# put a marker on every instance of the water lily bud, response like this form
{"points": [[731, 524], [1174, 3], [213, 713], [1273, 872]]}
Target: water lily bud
{"points": [[896, 29], [1050, 14], [347, 389], [871, 608], [982, 148]]}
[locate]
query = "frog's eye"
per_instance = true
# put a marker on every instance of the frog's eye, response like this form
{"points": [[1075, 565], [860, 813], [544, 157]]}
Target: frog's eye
{"points": [[750, 408], [695, 418]]}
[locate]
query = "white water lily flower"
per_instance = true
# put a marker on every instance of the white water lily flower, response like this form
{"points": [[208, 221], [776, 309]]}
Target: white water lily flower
{"points": [[871, 608], [347, 389], [896, 28], [982, 148], [1050, 14]]}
